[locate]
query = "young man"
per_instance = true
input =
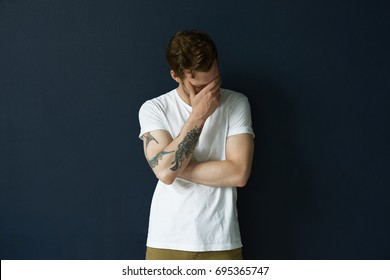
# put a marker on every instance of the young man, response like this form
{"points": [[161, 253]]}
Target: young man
{"points": [[198, 140]]}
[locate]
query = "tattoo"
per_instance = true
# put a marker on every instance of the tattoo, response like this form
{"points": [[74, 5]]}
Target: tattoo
{"points": [[186, 147], [153, 162], [149, 137]]}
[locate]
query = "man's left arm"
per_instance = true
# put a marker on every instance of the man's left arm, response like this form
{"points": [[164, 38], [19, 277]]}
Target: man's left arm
{"points": [[232, 172]]}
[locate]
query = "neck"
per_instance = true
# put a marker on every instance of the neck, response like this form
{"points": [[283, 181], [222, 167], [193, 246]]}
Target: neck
{"points": [[183, 94]]}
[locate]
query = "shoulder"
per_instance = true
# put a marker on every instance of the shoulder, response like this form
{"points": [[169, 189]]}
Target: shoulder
{"points": [[231, 95], [231, 98], [159, 102]]}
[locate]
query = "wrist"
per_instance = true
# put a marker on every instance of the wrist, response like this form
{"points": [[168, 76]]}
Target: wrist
{"points": [[196, 121]]}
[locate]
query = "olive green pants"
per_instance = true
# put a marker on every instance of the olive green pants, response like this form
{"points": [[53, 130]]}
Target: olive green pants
{"points": [[166, 254]]}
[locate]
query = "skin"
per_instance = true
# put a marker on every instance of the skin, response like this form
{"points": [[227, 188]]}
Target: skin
{"points": [[172, 158], [191, 86]]}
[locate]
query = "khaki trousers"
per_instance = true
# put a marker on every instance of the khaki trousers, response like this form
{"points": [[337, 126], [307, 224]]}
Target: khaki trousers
{"points": [[166, 254]]}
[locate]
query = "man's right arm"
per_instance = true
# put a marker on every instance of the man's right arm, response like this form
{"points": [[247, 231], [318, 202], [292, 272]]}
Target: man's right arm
{"points": [[169, 157]]}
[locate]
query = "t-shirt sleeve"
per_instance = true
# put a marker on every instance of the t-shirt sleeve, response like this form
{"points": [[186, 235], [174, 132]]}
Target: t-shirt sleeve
{"points": [[150, 118], [240, 120]]}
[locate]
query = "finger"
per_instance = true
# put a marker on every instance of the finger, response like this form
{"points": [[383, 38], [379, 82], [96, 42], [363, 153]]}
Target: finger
{"points": [[216, 83], [217, 89], [216, 78], [212, 85]]}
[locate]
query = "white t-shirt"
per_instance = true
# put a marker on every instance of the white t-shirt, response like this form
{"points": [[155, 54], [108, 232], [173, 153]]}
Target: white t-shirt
{"points": [[185, 215]]}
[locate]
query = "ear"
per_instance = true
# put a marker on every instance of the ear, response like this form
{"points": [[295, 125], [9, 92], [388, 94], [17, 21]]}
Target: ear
{"points": [[175, 77]]}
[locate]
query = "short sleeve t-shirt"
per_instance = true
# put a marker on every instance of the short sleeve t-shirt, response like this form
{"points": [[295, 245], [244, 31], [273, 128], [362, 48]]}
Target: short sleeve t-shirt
{"points": [[185, 215]]}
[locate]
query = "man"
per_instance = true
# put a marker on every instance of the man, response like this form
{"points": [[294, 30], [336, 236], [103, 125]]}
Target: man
{"points": [[198, 141]]}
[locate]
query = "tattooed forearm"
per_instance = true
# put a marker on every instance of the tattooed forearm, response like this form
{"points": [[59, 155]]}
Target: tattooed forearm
{"points": [[186, 147], [153, 162], [148, 137]]}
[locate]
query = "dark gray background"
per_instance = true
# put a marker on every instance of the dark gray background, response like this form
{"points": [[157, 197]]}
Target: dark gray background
{"points": [[73, 74]]}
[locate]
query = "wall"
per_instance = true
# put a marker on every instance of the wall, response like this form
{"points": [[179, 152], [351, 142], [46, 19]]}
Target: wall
{"points": [[74, 182]]}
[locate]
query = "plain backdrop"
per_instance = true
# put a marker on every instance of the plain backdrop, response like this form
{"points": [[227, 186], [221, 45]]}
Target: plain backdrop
{"points": [[74, 183]]}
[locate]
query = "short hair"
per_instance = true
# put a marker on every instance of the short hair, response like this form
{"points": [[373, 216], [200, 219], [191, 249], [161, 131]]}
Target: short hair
{"points": [[191, 50]]}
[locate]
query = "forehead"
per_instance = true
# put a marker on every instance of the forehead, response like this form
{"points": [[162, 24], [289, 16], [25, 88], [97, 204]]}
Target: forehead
{"points": [[203, 78]]}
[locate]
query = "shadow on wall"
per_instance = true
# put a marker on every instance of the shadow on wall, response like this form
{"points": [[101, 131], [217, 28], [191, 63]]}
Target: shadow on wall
{"points": [[275, 201]]}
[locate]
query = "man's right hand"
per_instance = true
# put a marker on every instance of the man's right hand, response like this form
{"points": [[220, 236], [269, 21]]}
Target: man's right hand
{"points": [[206, 101]]}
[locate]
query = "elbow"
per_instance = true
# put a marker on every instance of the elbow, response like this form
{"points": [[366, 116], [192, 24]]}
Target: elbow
{"points": [[167, 181], [166, 177], [241, 183], [242, 178]]}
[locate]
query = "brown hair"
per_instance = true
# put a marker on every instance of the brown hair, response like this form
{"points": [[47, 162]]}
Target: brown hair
{"points": [[190, 50]]}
